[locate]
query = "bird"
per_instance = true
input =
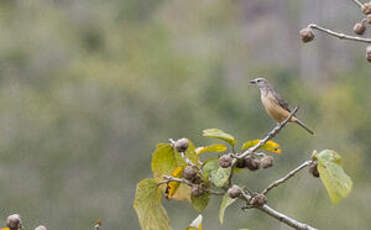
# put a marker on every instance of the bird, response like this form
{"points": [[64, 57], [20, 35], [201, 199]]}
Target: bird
{"points": [[273, 103]]}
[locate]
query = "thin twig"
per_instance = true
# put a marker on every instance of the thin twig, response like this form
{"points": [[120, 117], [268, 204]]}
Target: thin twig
{"points": [[269, 136], [277, 215], [358, 3], [285, 178], [168, 179], [339, 35], [285, 219]]}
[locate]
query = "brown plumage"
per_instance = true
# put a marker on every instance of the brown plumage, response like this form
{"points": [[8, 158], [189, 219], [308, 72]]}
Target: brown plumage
{"points": [[273, 103]]}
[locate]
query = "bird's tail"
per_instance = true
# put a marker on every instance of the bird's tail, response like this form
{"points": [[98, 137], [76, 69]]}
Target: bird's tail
{"points": [[297, 121]]}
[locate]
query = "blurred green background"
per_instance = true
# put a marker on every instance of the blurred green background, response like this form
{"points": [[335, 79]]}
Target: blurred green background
{"points": [[87, 89]]}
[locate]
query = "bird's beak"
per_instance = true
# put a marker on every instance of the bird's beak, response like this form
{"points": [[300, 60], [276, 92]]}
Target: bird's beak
{"points": [[252, 82]]}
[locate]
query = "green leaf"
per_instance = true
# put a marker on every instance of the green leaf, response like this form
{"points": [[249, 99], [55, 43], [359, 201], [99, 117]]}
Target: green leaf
{"points": [[199, 203], [220, 176], [164, 161], [196, 224], [210, 165], [338, 184], [211, 148], [147, 204], [218, 133], [270, 146], [216, 174], [227, 200]]}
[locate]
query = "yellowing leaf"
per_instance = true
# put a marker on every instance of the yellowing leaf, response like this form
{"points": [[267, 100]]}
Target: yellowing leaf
{"points": [[199, 203], [211, 148], [218, 133], [337, 183], [270, 146], [148, 206], [5, 229], [174, 185], [196, 224], [164, 161], [227, 200]]}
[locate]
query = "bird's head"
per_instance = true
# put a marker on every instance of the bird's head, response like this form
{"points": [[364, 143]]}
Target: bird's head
{"points": [[260, 82]]}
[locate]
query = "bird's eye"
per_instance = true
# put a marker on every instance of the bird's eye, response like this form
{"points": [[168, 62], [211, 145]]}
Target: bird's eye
{"points": [[259, 80]]}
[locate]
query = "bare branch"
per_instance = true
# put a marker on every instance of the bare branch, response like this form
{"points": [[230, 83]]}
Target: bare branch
{"points": [[285, 178], [358, 3], [277, 215], [339, 35], [285, 219], [269, 136]]}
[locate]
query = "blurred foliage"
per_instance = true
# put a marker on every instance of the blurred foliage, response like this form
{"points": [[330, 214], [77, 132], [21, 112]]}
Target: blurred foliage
{"points": [[88, 87]]}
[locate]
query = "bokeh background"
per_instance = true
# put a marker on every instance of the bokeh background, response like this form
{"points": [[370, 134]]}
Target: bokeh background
{"points": [[87, 89]]}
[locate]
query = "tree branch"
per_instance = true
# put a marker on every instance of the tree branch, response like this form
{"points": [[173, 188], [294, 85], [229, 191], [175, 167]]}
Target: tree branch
{"points": [[269, 136], [279, 216], [285, 178], [285, 219], [358, 3], [339, 35]]}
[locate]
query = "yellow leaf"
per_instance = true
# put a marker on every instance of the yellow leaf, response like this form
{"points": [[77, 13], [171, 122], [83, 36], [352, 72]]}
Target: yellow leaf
{"points": [[211, 148], [270, 146], [5, 229], [218, 133], [173, 185]]}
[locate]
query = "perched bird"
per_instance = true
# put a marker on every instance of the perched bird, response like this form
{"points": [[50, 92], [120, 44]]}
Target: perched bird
{"points": [[275, 106]]}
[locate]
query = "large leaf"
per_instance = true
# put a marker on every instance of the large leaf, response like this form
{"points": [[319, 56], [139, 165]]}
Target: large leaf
{"points": [[196, 224], [164, 161], [211, 148], [147, 204], [227, 200], [218, 133], [199, 203], [270, 146], [338, 184]]}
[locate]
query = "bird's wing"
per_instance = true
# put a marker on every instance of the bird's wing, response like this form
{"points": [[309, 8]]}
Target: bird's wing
{"points": [[281, 101]]}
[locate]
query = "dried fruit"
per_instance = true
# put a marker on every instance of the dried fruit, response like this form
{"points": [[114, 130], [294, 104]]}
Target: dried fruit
{"points": [[359, 28], [366, 8], [258, 200], [313, 169], [198, 190], [368, 53], [306, 34], [14, 222], [181, 145], [368, 19], [225, 161], [252, 163], [234, 191], [266, 162], [189, 173]]}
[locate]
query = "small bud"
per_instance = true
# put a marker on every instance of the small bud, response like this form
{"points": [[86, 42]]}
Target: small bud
{"points": [[366, 8], [181, 145], [198, 190], [368, 19], [359, 28], [258, 200], [306, 34], [313, 169], [368, 53], [40, 227], [234, 191], [225, 161], [189, 173], [266, 162], [252, 163], [14, 222]]}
